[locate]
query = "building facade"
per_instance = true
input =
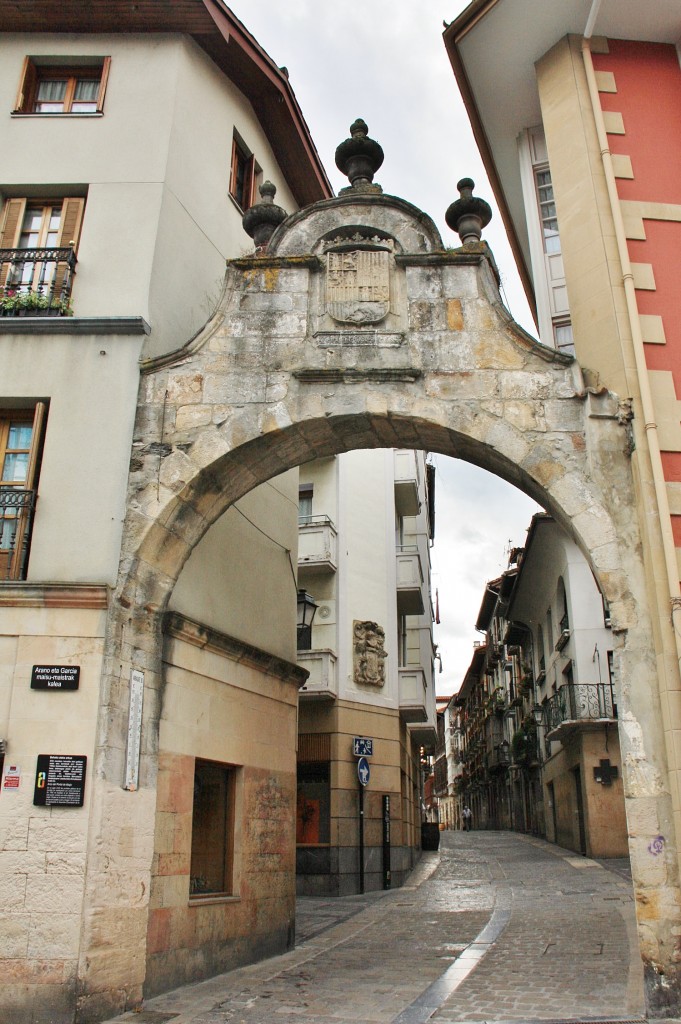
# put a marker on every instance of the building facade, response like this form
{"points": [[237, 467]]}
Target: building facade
{"points": [[366, 526], [538, 706], [579, 132], [112, 258]]}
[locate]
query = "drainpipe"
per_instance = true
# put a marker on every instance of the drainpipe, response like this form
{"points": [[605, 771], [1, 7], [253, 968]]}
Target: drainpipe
{"points": [[636, 335]]}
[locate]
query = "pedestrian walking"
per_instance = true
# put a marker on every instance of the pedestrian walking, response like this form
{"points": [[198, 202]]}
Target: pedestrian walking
{"points": [[467, 816]]}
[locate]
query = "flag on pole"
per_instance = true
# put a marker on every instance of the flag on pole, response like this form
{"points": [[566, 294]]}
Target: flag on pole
{"points": [[437, 607]]}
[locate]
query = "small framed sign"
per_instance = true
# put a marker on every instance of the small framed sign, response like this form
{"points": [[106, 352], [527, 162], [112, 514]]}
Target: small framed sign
{"points": [[55, 677], [362, 746], [60, 780]]}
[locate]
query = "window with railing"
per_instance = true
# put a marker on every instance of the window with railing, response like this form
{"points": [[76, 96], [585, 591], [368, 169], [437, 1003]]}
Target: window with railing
{"points": [[20, 436], [38, 242], [580, 702]]}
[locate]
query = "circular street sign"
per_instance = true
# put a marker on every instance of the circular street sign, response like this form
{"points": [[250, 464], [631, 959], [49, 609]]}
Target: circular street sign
{"points": [[363, 771]]}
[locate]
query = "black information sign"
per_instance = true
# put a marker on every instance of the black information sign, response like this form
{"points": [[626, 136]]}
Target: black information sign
{"points": [[55, 677], [60, 780], [387, 878]]}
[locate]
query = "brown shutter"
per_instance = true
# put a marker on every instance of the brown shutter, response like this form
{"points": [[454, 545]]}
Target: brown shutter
{"points": [[249, 182], [27, 87], [102, 84], [12, 216], [71, 220], [235, 168], [314, 747], [13, 213], [14, 569]]}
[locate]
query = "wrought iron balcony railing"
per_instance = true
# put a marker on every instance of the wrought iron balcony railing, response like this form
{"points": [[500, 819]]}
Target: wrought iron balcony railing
{"points": [[577, 703], [36, 282], [16, 517]]}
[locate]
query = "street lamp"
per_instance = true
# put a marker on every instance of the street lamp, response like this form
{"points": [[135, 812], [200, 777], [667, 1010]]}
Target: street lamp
{"points": [[306, 612], [537, 712]]}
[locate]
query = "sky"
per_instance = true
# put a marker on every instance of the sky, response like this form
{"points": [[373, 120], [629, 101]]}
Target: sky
{"points": [[385, 61]]}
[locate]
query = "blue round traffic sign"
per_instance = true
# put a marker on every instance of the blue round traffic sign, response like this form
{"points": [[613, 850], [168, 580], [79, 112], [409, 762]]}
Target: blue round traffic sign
{"points": [[363, 771]]}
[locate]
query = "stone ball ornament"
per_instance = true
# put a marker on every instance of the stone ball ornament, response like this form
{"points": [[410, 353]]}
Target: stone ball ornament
{"points": [[469, 214], [262, 219], [359, 157]]}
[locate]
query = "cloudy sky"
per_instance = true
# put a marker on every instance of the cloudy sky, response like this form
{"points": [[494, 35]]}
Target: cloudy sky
{"points": [[384, 61]]}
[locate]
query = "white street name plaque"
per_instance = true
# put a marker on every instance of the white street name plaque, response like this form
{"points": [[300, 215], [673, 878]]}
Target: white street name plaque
{"points": [[132, 758]]}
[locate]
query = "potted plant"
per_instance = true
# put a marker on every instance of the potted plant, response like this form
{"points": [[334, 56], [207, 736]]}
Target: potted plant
{"points": [[16, 302]]}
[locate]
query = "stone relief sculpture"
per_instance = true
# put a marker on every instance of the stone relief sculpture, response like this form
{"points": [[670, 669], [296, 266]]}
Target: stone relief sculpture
{"points": [[369, 653]]}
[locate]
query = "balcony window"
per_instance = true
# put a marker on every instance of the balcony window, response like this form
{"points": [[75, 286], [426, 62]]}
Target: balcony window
{"points": [[547, 210], [20, 437], [38, 241], [305, 492], [52, 86]]}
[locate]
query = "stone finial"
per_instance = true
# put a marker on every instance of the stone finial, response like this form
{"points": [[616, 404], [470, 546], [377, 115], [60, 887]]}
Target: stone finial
{"points": [[359, 156], [468, 215], [262, 219]]}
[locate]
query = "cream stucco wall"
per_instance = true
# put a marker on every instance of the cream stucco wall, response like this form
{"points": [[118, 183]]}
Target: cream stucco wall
{"points": [[154, 241], [367, 566], [240, 577], [90, 383]]}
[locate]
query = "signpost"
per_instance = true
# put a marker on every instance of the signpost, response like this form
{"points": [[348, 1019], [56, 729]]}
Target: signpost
{"points": [[363, 776]]}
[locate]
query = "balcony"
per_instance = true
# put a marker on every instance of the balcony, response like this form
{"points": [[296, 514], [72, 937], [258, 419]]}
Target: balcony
{"points": [[406, 485], [409, 581], [578, 705], [36, 282], [16, 517], [317, 544], [412, 690], [321, 682]]}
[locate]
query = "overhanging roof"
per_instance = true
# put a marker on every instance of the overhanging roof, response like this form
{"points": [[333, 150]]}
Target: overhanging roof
{"points": [[226, 41], [493, 46]]}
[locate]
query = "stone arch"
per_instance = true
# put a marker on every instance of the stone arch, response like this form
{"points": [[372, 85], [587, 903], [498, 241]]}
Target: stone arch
{"points": [[290, 369]]}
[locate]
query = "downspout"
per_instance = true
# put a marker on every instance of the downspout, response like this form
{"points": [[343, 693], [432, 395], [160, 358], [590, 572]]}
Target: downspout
{"points": [[650, 425]]}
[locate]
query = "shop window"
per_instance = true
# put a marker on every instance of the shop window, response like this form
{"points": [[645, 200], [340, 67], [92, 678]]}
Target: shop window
{"points": [[53, 86], [20, 445], [212, 856], [243, 175], [313, 805]]}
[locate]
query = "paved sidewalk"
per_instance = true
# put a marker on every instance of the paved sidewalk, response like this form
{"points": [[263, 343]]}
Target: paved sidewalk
{"points": [[496, 927]]}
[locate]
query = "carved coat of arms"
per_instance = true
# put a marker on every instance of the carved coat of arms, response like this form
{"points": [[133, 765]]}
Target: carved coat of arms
{"points": [[369, 653], [358, 286]]}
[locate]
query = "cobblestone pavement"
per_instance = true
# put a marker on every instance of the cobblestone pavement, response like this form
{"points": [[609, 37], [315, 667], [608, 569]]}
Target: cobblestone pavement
{"points": [[495, 927]]}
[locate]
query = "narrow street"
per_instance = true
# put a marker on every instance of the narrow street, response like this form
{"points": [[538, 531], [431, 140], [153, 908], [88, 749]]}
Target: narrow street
{"points": [[496, 926]]}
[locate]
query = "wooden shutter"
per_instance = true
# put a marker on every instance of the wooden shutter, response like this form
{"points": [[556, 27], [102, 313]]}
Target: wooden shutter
{"points": [[102, 84], [249, 182], [69, 234], [12, 217], [234, 173], [15, 570], [27, 87]]}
